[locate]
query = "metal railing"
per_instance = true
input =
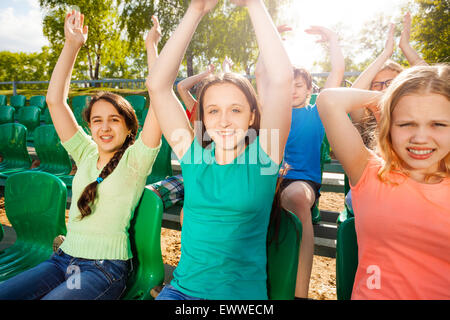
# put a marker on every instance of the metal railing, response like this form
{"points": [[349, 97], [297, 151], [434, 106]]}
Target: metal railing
{"points": [[140, 83]]}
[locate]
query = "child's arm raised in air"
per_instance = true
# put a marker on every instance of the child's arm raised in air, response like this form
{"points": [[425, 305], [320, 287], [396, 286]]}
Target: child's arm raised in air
{"points": [[337, 58], [58, 89], [276, 105], [333, 106], [411, 55], [169, 111], [151, 132], [185, 85], [364, 80]]}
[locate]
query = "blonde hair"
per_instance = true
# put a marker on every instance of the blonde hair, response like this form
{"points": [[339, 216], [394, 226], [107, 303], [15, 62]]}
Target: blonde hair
{"points": [[391, 65], [416, 80]]}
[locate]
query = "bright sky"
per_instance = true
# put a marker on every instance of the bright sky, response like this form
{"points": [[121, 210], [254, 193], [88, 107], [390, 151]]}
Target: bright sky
{"points": [[21, 23], [302, 47]]}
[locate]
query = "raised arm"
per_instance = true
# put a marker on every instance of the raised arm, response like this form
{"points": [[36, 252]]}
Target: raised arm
{"points": [[151, 132], [276, 105], [58, 89], [262, 81], [364, 80], [411, 55], [337, 58], [169, 111], [333, 106], [187, 84]]}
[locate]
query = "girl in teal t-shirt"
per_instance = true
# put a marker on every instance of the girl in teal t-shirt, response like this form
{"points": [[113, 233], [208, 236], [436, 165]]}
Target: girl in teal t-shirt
{"points": [[230, 162], [112, 166]]}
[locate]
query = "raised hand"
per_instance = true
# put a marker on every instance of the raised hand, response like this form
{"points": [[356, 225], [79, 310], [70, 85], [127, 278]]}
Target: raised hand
{"points": [[406, 32], [74, 31], [389, 46], [203, 6], [283, 28], [326, 35], [154, 35], [227, 64]]}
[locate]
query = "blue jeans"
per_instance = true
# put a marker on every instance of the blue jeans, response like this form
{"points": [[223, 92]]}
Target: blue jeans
{"points": [[64, 277], [170, 293]]}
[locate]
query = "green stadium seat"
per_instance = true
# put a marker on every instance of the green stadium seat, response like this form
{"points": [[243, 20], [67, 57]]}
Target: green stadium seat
{"points": [[347, 212], [346, 259], [46, 117], [35, 204], [143, 116], [138, 103], [53, 157], [38, 101], [3, 100], [13, 148], [30, 118], [1, 234], [80, 101], [162, 168], [6, 114], [145, 239], [313, 98], [17, 101], [282, 257]]}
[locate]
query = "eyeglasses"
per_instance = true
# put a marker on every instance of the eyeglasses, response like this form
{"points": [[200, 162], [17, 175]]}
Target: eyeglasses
{"points": [[379, 85]]}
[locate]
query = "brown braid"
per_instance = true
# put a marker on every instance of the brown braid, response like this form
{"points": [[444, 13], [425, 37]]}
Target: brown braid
{"points": [[126, 110], [90, 192]]}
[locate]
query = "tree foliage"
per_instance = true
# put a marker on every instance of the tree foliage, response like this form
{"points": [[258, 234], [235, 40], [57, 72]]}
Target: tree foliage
{"points": [[431, 30]]}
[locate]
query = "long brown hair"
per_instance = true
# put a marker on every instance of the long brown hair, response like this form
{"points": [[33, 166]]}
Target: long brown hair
{"points": [[240, 82], [124, 108], [416, 80]]}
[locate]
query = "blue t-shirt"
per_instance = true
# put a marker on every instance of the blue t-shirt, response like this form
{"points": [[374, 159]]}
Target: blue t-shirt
{"points": [[226, 216], [302, 151]]}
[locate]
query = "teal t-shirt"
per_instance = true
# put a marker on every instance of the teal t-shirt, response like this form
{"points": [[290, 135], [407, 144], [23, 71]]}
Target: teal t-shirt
{"points": [[226, 216]]}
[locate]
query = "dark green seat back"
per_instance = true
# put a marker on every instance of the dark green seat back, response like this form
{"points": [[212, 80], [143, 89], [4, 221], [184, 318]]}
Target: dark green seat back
{"points": [[313, 98], [3, 100], [46, 117], [38, 101], [6, 114], [54, 158], [13, 147], [346, 259], [80, 101], [138, 103], [145, 239], [162, 168], [17, 101], [282, 257], [35, 204], [30, 117]]}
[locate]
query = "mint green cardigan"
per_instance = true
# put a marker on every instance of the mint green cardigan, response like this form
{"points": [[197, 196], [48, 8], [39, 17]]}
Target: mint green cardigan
{"points": [[104, 233]]}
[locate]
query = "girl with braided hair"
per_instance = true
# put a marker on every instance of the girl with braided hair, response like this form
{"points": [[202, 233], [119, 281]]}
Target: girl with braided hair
{"points": [[113, 166]]}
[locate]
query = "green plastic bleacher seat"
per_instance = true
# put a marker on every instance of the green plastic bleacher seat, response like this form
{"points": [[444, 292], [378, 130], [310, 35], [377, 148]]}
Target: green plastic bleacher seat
{"points": [[145, 239], [313, 98], [162, 168], [18, 102], [35, 205], [282, 257], [46, 117], [143, 116], [3, 100], [38, 101], [138, 103], [13, 148], [80, 101], [347, 212], [1, 234], [30, 117], [53, 157], [6, 114], [346, 259]]}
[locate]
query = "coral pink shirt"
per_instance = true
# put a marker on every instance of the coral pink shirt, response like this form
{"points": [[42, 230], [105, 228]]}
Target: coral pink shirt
{"points": [[403, 237]]}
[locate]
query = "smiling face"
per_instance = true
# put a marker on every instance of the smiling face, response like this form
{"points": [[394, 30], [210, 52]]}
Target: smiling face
{"points": [[420, 132], [108, 127], [227, 115]]}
